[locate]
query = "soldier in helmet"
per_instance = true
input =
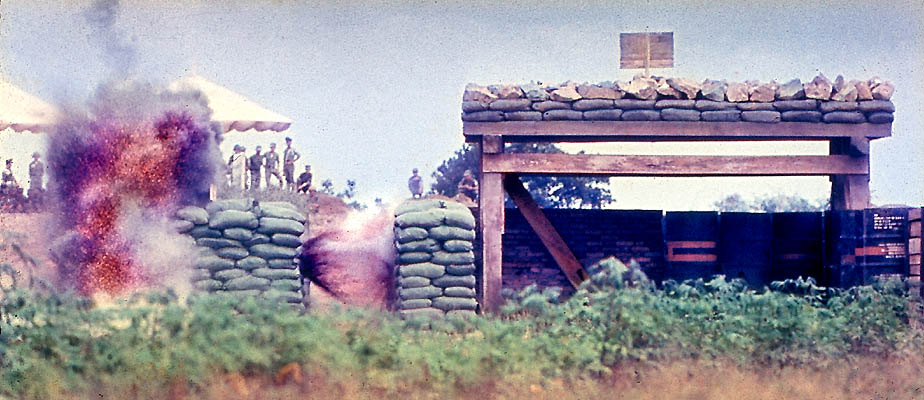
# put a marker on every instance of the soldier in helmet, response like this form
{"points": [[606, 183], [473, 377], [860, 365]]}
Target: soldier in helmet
{"points": [[468, 186], [415, 185], [304, 181]]}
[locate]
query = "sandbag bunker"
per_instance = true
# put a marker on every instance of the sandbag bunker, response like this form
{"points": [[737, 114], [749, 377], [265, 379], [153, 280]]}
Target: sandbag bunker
{"points": [[435, 266], [246, 248]]}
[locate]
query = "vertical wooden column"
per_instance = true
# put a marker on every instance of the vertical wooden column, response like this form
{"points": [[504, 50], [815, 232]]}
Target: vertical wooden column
{"points": [[491, 210], [850, 192]]}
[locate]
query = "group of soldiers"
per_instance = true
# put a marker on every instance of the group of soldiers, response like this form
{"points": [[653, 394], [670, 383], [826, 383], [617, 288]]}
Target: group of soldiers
{"points": [[11, 192], [240, 165], [467, 188]]}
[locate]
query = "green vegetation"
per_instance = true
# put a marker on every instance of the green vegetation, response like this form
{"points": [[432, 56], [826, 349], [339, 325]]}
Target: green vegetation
{"points": [[56, 345], [770, 203]]}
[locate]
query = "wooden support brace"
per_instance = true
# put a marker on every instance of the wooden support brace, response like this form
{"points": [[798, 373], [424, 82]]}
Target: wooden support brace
{"points": [[491, 210], [850, 191], [536, 218]]}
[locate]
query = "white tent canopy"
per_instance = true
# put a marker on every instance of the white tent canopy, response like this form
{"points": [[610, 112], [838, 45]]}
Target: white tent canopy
{"points": [[232, 110], [22, 111]]}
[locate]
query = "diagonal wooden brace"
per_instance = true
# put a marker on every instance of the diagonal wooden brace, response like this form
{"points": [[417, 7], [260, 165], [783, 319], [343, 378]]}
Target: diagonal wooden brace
{"points": [[536, 218]]}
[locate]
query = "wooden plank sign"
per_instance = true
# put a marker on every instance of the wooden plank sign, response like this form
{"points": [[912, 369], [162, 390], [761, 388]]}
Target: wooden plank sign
{"points": [[646, 50]]}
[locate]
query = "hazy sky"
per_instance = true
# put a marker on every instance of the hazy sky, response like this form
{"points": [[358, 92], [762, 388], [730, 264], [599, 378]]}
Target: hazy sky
{"points": [[374, 88]]}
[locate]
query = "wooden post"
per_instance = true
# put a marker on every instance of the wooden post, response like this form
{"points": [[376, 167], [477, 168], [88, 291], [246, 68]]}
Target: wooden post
{"points": [[491, 210], [547, 233], [850, 192]]}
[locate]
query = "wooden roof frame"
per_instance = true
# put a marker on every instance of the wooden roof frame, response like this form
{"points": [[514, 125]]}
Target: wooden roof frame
{"points": [[847, 165]]}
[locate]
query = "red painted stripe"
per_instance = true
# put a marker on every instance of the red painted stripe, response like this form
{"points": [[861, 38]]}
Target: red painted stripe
{"points": [[693, 257], [690, 244]]}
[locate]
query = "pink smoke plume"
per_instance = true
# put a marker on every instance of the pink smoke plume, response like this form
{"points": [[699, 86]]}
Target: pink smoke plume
{"points": [[118, 168], [354, 262]]}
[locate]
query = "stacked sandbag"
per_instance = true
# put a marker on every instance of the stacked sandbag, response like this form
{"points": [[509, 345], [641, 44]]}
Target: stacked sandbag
{"points": [[435, 265], [246, 248], [678, 99]]}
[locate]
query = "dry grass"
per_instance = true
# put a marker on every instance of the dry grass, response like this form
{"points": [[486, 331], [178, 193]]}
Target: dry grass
{"points": [[860, 379]]}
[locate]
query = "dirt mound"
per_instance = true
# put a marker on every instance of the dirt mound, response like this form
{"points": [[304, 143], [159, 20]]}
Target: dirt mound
{"points": [[326, 213], [352, 247], [23, 241]]}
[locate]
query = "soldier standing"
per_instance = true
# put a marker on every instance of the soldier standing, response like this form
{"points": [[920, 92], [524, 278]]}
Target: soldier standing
{"points": [[415, 185], [253, 164], [289, 157], [271, 165], [237, 165], [36, 176]]}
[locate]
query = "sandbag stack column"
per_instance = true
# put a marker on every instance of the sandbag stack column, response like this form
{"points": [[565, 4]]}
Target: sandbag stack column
{"points": [[246, 249], [435, 270]]}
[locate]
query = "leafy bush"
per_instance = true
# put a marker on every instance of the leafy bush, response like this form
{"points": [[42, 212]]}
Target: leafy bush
{"points": [[61, 345], [618, 316]]}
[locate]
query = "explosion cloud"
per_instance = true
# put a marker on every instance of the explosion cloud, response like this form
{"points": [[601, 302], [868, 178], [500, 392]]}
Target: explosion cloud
{"points": [[118, 168], [354, 262]]}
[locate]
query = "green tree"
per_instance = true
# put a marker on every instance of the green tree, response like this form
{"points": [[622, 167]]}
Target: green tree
{"points": [[770, 203], [548, 191], [327, 187], [349, 191]]}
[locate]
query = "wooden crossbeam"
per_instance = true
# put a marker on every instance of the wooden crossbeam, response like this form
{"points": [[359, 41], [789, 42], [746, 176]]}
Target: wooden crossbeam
{"points": [[547, 233], [622, 165], [670, 130]]}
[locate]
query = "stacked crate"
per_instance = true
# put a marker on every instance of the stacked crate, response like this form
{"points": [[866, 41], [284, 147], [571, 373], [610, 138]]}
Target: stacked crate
{"points": [[914, 245]]}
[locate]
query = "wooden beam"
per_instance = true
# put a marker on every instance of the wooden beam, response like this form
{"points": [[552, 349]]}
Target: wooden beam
{"points": [[492, 144], [671, 130], [850, 192], [621, 165], [491, 213], [553, 242], [857, 147]]}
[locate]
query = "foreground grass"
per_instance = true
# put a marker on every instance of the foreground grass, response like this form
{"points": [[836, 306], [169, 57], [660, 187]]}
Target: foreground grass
{"points": [[618, 337], [866, 379]]}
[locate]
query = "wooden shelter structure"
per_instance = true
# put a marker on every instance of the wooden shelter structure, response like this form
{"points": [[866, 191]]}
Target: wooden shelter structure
{"points": [[21, 111], [847, 164]]}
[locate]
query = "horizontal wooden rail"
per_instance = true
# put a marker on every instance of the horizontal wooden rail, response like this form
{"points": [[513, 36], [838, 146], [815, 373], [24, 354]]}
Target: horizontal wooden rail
{"points": [[623, 165], [670, 130]]}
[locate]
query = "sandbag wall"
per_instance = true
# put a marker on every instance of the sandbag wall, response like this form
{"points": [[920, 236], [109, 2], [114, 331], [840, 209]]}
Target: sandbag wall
{"points": [[679, 99], [246, 248], [435, 266]]}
